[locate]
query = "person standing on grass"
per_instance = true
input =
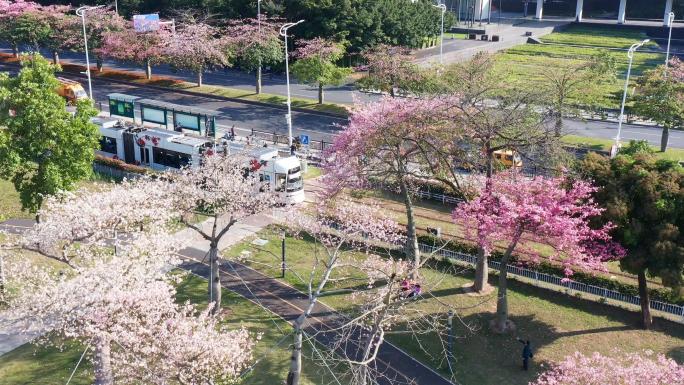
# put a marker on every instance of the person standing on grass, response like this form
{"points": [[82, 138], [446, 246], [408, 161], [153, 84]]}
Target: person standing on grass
{"points": [[526, 353]]}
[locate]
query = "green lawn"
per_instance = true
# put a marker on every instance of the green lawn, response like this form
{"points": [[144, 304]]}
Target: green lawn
{"points": [[556, 324], [312, 172], [597, 36], [525, 65], [676, 154], [31, 364], [10, 206]]}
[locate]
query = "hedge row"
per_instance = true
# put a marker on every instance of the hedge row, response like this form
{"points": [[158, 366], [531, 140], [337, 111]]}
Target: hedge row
{"points": [[120, 165], [657, 294]]}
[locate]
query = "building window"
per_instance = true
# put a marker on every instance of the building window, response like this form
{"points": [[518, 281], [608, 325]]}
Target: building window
{"points": [[108, 145], [170, 158]]}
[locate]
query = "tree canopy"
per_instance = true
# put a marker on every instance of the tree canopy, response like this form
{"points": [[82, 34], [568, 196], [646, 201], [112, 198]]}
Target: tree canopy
{"points": [[644, 198], [43, 148]]}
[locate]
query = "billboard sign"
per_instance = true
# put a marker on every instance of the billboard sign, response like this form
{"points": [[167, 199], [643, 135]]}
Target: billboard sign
{"points": [[146, 23]]}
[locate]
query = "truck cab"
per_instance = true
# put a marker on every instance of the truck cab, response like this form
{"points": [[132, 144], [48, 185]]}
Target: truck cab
{"points": [[70, 90]]}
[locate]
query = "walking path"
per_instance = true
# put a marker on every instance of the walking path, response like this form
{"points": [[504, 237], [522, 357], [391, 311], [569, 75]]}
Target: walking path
{"points": [[395, 365]]}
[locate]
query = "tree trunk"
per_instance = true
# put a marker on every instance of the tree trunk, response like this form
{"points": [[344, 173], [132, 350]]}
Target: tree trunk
{"points": [[258, 80], [320, 93], [99, 64], [482, 267], [664, 139], [148, 70], [559, 123], [392, 94], [214, 279], [55, 57], [2, 280], [296, 359], [646, 320], [103, 364], [501, 322], [481, 271], [411, 248], [199, 78]]}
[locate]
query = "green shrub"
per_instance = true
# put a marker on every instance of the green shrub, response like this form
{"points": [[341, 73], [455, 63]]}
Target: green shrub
{"points": [[120, 165], [658, 294]]}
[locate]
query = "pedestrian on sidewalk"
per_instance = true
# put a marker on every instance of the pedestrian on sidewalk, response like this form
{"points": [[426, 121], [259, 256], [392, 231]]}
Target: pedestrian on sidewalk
{"points": [[232, 133], [526, 352]]}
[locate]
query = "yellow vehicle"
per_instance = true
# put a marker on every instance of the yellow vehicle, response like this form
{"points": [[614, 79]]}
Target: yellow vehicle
{"points": [[71, 90], [508, 158]]}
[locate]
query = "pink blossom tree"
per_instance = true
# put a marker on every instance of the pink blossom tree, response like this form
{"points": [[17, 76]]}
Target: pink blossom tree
{"points": [[317, 64], [390, 68], [630, 368], [63, 27], [255, 45], [386, 142], [146, 48], [196, 47], [18, 21], [546, 212], [677, 69], [219, 189]]}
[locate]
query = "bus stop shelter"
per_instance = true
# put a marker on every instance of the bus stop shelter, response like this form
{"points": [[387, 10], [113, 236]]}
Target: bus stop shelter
{"points": [[181, 117], [122, 105]]}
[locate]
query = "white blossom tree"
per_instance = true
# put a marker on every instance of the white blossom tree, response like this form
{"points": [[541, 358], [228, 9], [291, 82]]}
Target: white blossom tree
{"points": [[223, 189], [341, 228], [114, 294], [123, 307]]}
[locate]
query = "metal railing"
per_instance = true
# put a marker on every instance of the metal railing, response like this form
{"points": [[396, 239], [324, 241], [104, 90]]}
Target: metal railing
{"points": [[559, 282]]}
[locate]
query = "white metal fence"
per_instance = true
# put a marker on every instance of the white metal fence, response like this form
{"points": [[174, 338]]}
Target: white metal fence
{"points": [[554, 280]]}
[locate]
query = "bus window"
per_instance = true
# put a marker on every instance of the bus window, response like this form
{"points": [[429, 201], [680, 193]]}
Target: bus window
{"points": [[279, 182]]}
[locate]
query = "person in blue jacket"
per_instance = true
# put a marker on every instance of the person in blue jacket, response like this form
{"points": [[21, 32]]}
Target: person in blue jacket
{"points": [[526, 352]]}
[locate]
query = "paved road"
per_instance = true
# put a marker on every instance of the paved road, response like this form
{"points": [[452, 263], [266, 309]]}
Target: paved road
{"points": [[320, 127], [271, 83]]}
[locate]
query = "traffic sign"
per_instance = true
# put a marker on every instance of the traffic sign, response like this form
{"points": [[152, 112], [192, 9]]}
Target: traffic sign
{"points": [[304, 139]]}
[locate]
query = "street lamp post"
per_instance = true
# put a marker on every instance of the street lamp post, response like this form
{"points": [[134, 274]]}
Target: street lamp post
{"points": [[81, 12], [443, 8], [259, 26], [630, 55], [116, 6], [670, 18], [288, 117]]}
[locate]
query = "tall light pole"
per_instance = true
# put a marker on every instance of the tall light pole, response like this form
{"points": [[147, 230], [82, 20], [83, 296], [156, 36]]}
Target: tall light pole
{"points": [[81, 12], [630, 55], [259, 26], [116, 6], [288, 117], [443, 8], [670, 18]]}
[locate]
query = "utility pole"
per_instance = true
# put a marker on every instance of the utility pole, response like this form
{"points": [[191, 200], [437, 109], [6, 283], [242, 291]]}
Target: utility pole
{"points": [[288, 117]]}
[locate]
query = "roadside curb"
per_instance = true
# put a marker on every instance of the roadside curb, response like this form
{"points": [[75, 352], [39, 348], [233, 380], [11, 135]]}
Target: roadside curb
{"points": [[198, 94]]}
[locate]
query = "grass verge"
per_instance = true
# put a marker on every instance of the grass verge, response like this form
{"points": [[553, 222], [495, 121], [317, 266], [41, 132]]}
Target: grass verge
{"points": [[676, 154], [557, 324]]}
